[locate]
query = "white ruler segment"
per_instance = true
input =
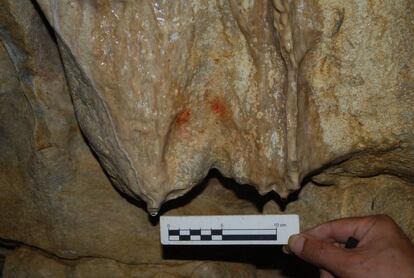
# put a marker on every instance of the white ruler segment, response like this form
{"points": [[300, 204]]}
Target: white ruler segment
{"points": [[228, 229]]}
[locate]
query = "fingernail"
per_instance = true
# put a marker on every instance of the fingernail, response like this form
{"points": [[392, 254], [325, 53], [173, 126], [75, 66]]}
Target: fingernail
{"points": [[285, 249], [296, 243]]}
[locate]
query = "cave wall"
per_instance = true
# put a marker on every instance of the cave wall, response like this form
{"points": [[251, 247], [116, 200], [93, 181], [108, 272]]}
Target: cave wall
{"points": [[112, 109]]}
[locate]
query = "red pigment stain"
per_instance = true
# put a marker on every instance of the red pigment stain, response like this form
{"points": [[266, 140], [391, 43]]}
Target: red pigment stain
{"points": [[218, 107], [183, 117]]}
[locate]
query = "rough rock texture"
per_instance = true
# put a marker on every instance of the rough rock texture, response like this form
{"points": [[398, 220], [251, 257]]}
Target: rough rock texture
{"points": [[356, 91], [275, 94], [146, 80], [354, 197], [28, 263], [149, 93]]}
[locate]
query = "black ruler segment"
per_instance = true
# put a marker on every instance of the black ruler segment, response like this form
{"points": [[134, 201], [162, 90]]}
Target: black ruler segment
{"points": [[217, 234], [249, 237], [173, 232], [195, 232]]}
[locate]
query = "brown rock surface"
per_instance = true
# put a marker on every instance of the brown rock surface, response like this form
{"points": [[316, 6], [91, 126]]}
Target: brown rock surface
{"points": [[148, 89], [269, 93], [174, 116], [29, 263], [350, 197], [356, 92]]}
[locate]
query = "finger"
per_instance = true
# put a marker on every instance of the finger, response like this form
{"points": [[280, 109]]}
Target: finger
{"points": [[320, 253], [326, 274], [285, 249], [340, 230]]}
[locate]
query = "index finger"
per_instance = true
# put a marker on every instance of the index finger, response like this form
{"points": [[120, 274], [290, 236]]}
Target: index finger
{"points": [[340, 230]]}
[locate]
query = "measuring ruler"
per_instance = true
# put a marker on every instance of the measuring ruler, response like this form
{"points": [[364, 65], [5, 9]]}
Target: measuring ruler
{"points": [[228, 229]]}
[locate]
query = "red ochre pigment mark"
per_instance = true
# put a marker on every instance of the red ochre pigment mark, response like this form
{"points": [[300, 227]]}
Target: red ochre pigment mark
{"points": [[218, 107], [183, 117]]}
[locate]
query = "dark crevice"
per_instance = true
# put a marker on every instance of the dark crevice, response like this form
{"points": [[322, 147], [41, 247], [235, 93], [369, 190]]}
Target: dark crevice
{"points": [[311, 179], [6, 248], [242, 191], [42, 16], [14, 245], [340, 16], [263, 257]]}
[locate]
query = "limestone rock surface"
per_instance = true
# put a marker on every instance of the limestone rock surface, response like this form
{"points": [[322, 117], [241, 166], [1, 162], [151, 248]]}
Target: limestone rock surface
{"points": [[28, 263], [351, 197], [147, 85], [109, 108], [355, 90], [148, 88]]}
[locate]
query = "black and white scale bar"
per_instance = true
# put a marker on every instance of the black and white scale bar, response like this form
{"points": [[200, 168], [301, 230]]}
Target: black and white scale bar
{"points": [[228, 230], [220, 234]]}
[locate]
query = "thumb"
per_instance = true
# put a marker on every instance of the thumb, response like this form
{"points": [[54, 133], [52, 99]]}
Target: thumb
{"points": [[320, 253]]}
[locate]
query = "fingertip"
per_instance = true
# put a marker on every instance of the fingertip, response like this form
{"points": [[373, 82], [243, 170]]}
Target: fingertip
{"points": [[286, 250], [296, 243]]}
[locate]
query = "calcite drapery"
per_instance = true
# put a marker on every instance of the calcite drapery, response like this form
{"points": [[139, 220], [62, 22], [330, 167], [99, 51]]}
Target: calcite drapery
{"points": [[268, 92], [148, 88]]}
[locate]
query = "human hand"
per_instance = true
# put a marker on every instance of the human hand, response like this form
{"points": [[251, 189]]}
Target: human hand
{"points": [[383, 249]]}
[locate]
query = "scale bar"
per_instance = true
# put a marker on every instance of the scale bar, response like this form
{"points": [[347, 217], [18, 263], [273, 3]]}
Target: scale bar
{"points": [[198, 232], [222, 234], [223, 238], [228, 230]]}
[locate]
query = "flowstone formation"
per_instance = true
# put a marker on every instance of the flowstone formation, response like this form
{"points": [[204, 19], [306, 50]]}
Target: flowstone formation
{"points": [[110, 109], [148, 88]]}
